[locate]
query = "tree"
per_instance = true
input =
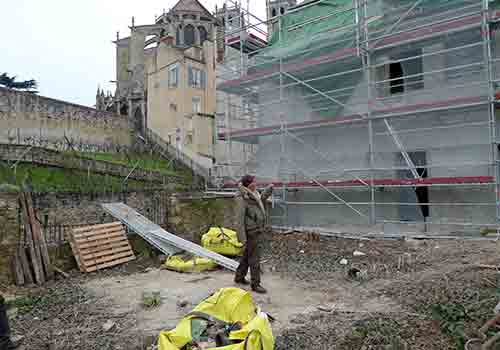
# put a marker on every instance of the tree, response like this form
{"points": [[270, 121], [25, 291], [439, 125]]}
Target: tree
{"points": [[11, 83]]}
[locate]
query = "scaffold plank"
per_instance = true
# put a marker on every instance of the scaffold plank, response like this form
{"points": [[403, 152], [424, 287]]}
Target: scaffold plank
{"points": [[450, 103], [167, 242], [380, 182], [193, 248], [139, 224]]}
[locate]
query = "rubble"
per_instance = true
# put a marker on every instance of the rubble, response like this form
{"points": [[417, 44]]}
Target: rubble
{"points": [[108, 326], [358, 253], [182, 303]]}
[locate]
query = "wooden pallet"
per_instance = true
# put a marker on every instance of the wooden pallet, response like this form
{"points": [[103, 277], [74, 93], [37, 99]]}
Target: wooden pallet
{"points": [[100, 246]]}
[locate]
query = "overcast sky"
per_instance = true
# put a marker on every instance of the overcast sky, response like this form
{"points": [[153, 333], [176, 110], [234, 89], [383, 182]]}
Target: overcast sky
{"points": [[66, 44]]}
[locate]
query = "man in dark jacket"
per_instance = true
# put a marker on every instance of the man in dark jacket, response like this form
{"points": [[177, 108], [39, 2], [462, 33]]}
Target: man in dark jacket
{"points": [[253, 219], [5, 341]]}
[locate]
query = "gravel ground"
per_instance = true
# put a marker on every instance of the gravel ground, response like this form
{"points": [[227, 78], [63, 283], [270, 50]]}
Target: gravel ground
{"points": [[350, 331], [416, 276], [65, 316], [442, 298], [313, 258]]}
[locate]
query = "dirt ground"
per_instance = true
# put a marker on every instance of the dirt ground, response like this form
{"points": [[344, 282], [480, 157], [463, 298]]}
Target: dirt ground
{"points": [[387, 295]]}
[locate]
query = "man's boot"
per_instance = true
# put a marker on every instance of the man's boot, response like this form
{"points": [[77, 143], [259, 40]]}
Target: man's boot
{"points": [[259, 289], [242, 281]]}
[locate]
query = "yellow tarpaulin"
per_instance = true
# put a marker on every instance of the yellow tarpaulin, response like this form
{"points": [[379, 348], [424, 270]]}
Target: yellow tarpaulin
{"points": [[223, 241], [193, 264], [228, 306]]}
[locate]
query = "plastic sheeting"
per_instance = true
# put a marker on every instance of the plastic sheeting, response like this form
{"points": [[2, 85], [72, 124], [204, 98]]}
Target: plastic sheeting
{"points": [[180, 263], [232, 308], [223, 241]]}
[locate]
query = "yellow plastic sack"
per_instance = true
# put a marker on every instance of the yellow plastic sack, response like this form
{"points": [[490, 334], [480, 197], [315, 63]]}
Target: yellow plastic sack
{"points": [[194, 264], [223, 241], [231, 305]]}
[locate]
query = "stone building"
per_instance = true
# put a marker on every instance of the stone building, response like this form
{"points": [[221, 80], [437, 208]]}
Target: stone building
{"points": [[165, 78], [275, 8]]}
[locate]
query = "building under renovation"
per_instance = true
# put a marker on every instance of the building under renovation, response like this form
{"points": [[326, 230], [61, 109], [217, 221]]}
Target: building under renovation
{"points": [[378, 112]]}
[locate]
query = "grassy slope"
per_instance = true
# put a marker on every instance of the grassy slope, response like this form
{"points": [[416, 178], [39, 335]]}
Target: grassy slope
{"points": [[50, 179], [146, 162], [46, 179]]}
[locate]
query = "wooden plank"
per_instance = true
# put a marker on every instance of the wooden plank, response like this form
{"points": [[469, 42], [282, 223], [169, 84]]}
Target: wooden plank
{"points": [[18, 270], [95, 227], [40, 238], [28, 275], [23, 258], [98, 243], [113, 263], [99, 237], [76, 252], [84, 229], [108, 258], [111, 251], [38, 273], [98, 232], [104, 246]]}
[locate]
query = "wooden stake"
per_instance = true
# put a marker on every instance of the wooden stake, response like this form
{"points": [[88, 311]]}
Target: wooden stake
{"points": [[34, 257], [40, 239], [18, 270], [28, 275], [23, 258]]}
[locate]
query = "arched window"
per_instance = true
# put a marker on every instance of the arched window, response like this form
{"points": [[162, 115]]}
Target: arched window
{"points": [[203, 34], [178, 36], [282, 10], [189, 35], [273, 12]]}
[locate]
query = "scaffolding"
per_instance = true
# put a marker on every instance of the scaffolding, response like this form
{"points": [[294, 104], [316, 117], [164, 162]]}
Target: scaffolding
{"points": [[372, 112]]}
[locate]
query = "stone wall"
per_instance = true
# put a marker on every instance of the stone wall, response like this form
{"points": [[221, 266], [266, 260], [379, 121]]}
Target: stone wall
{"points": [[27, 118], [58, 213], [9, 233], [75, 209], [190, 216], [47, 157]]}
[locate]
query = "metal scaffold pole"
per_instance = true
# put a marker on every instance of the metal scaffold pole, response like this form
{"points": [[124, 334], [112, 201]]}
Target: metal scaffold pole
{"points": [[486, 36], [408, 83], [367, 71], [283, 159]]}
